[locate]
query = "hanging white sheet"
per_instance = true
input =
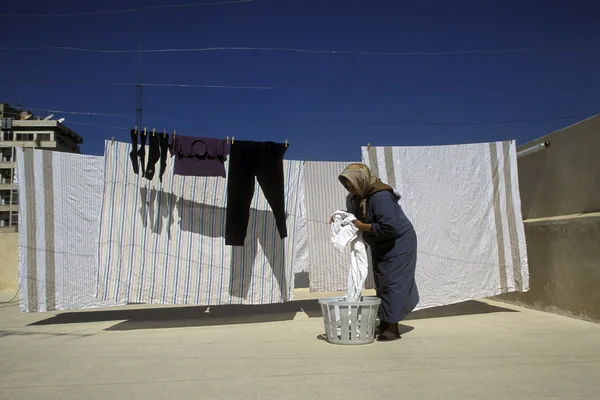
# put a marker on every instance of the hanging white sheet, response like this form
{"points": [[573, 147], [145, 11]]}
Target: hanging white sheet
{"points": [[164, 243], [464, 203], [329, 268], [60, 198]]}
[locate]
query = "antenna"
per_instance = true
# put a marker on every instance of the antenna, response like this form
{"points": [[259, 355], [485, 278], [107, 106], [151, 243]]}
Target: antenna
{"points": [[138, 89]]}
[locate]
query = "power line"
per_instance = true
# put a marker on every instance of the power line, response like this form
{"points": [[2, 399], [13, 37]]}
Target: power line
{"points": [[99, 125], [191, 85], [301, 50], [300, 123], [413, 109], [123, 11], [299, 88], [348, 57]]}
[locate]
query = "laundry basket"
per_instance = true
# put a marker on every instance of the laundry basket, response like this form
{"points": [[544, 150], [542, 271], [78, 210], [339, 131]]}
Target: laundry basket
{"points": [[350, 322]]}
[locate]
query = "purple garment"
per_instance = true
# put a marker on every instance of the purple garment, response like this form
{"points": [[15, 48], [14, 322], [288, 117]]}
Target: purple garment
{"points": [[199, 156]]}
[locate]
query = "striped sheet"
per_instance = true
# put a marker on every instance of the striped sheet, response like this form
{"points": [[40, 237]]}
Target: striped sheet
{"points": [[59, 210], [164, 244], [464, 203], [329, 268]]}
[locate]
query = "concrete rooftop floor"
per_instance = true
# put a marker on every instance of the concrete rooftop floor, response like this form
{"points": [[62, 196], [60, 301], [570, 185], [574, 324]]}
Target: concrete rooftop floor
{"points": [[474, 350]]}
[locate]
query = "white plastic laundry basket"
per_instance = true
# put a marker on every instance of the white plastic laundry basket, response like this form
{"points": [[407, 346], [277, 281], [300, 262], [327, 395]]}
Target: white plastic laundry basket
{"points": [[350, 322]]}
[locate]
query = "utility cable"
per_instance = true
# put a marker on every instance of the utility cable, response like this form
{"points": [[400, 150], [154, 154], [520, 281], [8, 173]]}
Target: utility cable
{"points": [[309, 51], [127, 10], [311, 88], [302, 123]]}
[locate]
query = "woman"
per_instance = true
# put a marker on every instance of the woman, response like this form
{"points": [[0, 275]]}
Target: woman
{"points": [[393, 243]]}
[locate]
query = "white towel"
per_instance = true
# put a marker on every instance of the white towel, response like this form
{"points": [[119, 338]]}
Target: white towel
{"points": [[344, 233]]}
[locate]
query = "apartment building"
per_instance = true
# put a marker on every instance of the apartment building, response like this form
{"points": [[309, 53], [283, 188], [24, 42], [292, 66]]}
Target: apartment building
{"points": [[23, 129]]}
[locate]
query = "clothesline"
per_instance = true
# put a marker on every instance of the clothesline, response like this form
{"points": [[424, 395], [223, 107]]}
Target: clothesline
{"points": [[145, 132]]}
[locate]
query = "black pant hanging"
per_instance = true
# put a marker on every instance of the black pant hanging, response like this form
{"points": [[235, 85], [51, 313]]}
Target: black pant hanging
{"points": [[153, 156], [247, 161], [142, 152], [133, 154], [164, 149]]}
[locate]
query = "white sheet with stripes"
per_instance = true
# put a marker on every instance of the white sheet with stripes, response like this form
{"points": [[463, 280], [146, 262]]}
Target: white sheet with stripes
{"points": [[164, 243], [464, 203]]}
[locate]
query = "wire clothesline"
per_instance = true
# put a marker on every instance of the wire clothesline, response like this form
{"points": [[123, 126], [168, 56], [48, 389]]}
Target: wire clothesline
{"points": [[305, 50], [124, 128], [309, 88]]}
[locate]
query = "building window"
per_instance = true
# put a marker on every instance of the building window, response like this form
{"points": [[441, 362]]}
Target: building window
{"points": [[5, 197], [15, 197], [25, 137], [14, 219], [43, 137], [4, 178], [4, 219], [6, 155], [8, 136]]}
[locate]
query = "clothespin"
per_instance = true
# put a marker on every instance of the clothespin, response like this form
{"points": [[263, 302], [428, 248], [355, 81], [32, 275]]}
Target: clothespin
{"points": [[135, 129], [112, 141], [368, 146], [153, 131], [232, 139], [227, 139], [165, 133], [144, 131], [174, 133], [286, 143]]}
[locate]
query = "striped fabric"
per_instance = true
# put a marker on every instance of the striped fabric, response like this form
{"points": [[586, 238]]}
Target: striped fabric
{"points": [[464, 203], [329, 268], [164, 244], [59, 209]]}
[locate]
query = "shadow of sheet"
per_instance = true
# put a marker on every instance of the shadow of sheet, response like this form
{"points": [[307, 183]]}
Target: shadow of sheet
{"points": [[193, 316], [157, 210], [471, 307]]}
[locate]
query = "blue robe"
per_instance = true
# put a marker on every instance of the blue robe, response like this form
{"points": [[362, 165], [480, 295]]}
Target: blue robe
{"points": [[393, 244]]}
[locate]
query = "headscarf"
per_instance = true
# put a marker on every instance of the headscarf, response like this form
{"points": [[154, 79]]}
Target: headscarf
{"points": [[365, 183]]}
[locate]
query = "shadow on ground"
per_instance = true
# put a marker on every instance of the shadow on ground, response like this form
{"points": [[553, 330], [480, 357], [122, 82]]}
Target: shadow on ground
{"points": [[42, 334], [456, 310], [192, 316]]}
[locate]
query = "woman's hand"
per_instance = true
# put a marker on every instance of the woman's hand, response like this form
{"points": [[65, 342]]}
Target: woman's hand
{"points": [[331, 220], [362, 226]]}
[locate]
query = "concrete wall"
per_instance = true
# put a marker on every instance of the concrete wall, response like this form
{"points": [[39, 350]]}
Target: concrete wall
{"points": [[560, 195], [8, 260], [564, 266], [564, 178]]}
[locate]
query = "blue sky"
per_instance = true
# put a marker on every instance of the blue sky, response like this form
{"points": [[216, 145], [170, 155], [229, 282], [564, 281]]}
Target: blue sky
{"points": [[382, 100]]}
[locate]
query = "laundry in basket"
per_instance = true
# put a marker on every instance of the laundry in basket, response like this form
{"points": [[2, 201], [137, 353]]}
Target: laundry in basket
{"points": [[343, 234]]}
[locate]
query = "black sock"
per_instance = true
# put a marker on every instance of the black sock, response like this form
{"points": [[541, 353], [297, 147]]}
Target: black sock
{"points": [[387, 326]]}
